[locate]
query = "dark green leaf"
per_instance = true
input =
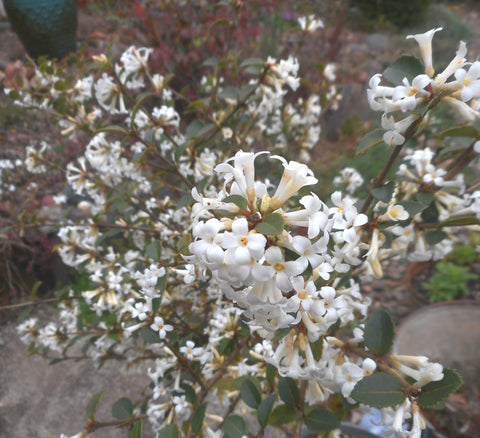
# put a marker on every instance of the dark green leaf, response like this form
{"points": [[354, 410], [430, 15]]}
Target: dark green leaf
{"points": [[413, 207], [238, 200], [460, 131], [122, 408], [317, 348], [425, 197], [321, 420], [283, 414], [93, 404], [378, 390], [154, 250], [435, 236], [384, 193], [250, 394], [265, 409], [193, 128], [149, 336], [229, 92], [379, 332], [430, 214], [137, 430], [372, 139], [271, 225], [460, 221], [405, 66], [288, 391], [235, 427], [252, 61], [197, 418], [190, 394], [435, 392], [170, 431], [221, 22], [270, 374]]}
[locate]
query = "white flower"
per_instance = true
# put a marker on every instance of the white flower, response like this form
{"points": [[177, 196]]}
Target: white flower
{"points": [[207, 233], [295, 176], [424, 40], [310, 23], [190, 350], [159, 326], [283, 270], [242, 243], [395, 212], [408, 94], [470, 81]]}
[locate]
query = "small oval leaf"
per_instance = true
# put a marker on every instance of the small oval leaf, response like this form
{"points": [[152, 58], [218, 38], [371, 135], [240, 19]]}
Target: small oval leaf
{"points": [[288, 391], [265, 409], [197, 418], [250, 394], [321, 420], [235, 427], [93, 404], [122, 408], [378, 390], [372, 139], [271, 225], [435, 392], [379, 332]]}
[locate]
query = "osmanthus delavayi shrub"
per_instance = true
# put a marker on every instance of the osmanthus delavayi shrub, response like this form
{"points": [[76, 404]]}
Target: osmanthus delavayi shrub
{"points": [[211, 264]]}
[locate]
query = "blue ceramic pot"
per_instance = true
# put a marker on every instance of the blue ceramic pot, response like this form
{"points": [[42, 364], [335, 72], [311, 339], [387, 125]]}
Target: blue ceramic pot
{"points": [[45, 27]]}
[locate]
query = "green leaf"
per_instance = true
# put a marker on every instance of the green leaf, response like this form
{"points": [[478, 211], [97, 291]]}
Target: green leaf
{"points": [[321, 420], [460, 221], [122, 408], [288, 391], [385, 192], [378, 390], [170, 431], [154, 250], [317, 348], [371, 140], [425, 197], [435, 236], [460, 131], [190, 394], [252, 61], [283, 414], [379, 332], [193, 128], [221, 22], [238, 200], [93, 404], [271, 225], [413, 207], [137, 430], [229, 92], [406, 66], [149, 336], [435, 392], [210, 62], [265, 409], [271, 372], [250, 394], [235, 427], [197, 418]]}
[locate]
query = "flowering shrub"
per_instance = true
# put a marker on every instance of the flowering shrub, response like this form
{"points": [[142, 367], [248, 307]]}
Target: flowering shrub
{"points": [[214, 267]]}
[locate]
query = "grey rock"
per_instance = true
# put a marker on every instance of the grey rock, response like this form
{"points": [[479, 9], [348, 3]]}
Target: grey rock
{"points": [[38, 400], [448, 333]]}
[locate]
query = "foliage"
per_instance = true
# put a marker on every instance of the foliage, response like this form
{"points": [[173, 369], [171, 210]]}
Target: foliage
{"points": [[449, 281]]}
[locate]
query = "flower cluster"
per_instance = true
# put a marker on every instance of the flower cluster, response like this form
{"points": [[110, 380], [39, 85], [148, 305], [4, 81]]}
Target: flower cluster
{"points": [[204, 276]]}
